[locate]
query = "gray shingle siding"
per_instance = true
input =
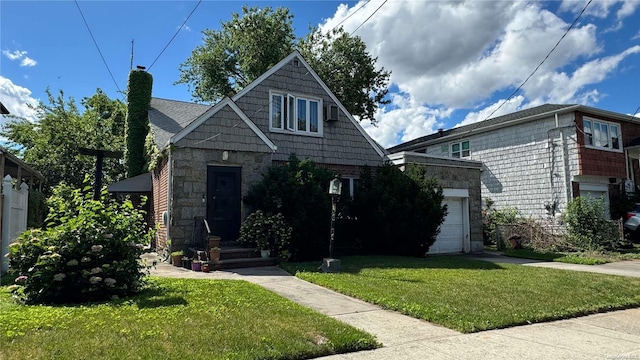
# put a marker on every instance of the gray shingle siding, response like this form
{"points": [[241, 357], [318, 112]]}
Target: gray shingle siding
{"points": [[225, 130], [168, 117], [341, 142]]}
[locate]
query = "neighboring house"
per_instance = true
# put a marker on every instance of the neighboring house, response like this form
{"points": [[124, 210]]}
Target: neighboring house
{"points": [[539, 159], [213, 154]]}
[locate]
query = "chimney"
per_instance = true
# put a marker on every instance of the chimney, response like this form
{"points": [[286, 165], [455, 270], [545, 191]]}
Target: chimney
{"points": [[441, 132], [137, 124]]}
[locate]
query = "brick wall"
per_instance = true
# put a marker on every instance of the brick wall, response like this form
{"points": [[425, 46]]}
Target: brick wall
{"points": [[160, 181], [597, 162]]}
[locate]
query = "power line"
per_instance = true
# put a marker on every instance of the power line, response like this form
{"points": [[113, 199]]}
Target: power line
{"points": [[350, 15], [367, 19], [176, 34], [637, 111], [97, 47], [542, 62]]}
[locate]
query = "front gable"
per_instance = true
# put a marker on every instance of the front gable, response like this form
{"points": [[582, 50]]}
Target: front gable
{"points": [[224, 127], [291, 87]]}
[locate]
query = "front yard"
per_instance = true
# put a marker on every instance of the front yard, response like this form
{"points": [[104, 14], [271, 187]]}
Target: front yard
{"points": [[176, 319], [469, 295]]}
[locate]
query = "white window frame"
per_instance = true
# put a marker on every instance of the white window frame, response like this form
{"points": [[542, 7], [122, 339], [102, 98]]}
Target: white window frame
{"points": [[352, 184], [591, 136], [461, 151], [289, 113]]}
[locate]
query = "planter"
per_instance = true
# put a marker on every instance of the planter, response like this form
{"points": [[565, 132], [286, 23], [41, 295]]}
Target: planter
{"points": [[265, 253], [176, 260], [215, 254], [186, 263], [205, 267], [196, 265], [214, 241]]}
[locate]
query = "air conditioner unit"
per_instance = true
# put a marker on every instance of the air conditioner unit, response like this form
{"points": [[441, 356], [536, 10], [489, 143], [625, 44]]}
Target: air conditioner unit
{"points": [[331, 113]]}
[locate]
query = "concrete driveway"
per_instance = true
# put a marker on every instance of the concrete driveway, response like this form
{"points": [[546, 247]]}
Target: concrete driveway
{"points": [[614, 335]]}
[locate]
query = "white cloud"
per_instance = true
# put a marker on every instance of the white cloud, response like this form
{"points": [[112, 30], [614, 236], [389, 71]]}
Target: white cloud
{"points": [[27, 61], [15, 55], [20, 55], [403, 120], [15, 98], [446, 56]]}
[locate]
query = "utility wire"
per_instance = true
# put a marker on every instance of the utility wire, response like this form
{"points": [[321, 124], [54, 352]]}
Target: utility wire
{"points": [[176, 34], [542, 62], [637, 111], [97, 47], [367, 19], [350, 15]]}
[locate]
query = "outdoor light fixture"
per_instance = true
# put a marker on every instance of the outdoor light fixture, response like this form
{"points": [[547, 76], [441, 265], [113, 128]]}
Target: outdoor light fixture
{"points": [[335, 189]]}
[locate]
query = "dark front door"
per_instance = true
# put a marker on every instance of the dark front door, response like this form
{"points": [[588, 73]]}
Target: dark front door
{"points": [[223, 201]]}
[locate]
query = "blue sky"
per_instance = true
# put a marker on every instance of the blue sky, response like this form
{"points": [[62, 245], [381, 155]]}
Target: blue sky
{"points": [[452, 63]]}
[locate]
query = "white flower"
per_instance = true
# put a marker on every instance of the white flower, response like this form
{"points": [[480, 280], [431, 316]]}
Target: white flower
{"points": [[109, 281], [97, 248], [72, 262], [95, 279], [96, 270], [108, 236], [85, 259], [59, 277]]}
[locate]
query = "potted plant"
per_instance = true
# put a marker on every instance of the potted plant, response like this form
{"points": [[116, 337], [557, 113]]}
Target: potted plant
{"points": [[215, 254], [196, 265], [176, 258], [205, 267], [263, 244]]}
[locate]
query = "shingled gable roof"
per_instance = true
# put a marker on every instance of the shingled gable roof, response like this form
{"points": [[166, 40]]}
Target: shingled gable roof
{"points": [[505, 120], [295, 54], [212, 111], [171, 120]]}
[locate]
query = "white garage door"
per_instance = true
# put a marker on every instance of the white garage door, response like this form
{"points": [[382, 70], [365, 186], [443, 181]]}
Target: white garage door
{"points": [[596, 194], [451, 237]]}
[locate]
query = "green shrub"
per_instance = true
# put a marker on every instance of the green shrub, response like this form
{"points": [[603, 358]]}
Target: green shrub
{"points": [[267, 232], [492, 217], [37, 209], [587, 225], [399, 213], [297, 190], [89, 251]]}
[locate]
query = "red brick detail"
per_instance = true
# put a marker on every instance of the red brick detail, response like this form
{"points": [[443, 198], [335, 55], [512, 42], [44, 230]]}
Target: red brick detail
{"points": [[160, 196], [602, 162]]}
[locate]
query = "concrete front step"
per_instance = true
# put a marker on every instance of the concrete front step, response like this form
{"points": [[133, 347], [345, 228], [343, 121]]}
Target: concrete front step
{"points": [[228, 253], [242, 263]]}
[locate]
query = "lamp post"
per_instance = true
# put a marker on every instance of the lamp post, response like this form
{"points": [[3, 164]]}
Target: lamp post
{"points": [[335, 189]]}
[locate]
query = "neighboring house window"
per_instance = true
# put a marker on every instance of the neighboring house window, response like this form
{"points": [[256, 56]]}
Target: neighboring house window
{"points": [[460, 149], [295, 113], [600, 134]]}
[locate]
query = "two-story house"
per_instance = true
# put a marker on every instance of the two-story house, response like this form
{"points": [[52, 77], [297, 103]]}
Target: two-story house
{"points": [[538, 159]]}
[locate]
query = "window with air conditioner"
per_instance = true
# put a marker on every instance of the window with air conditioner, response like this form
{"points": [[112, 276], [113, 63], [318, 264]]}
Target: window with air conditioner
{"points": [[293, 113]]}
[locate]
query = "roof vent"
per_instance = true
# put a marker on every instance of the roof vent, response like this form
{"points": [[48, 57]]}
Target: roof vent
{"points": [[441, 132], [140, 67]]}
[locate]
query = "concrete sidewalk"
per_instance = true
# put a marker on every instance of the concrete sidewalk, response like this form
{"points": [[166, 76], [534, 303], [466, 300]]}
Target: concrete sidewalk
{"points": [[614, 335]]}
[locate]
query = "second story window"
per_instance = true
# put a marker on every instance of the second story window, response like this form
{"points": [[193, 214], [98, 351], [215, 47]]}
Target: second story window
{"points": [[460, 149], [295, 113], [600, 134]]}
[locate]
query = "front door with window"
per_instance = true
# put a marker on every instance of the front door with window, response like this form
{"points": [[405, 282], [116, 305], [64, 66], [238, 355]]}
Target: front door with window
{"points": [[223, 201]]}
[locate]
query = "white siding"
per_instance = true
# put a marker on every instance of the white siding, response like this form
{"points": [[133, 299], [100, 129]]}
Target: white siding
{"points": [[524, 164]]}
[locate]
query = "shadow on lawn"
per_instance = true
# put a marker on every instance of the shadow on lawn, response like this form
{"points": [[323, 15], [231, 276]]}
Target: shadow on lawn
{"points": [[355, 264]]}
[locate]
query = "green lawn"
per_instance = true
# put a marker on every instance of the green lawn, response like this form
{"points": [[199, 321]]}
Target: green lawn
{"points": [[176, 319], [468, 295]]}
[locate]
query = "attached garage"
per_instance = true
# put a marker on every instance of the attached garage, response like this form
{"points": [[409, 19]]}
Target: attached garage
{"points": [[454, 231], [596, 191]]}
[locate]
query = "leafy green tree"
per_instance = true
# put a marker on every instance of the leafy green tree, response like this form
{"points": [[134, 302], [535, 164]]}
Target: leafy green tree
{"points": [[343, 63], [587, 225], [51, 143], [137, 121], [252, 42], [242, 50]]}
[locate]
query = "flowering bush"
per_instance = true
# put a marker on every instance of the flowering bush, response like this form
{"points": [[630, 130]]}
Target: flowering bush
{"points": [[267, 233], [89, 251]]}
